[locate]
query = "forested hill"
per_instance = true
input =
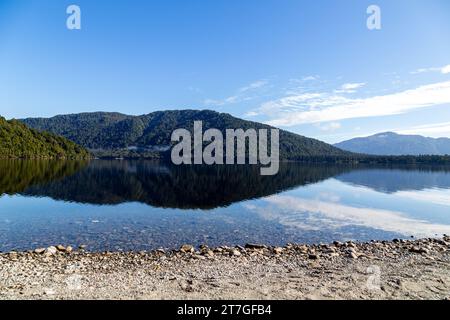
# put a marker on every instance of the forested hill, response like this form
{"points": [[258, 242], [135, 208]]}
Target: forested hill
{"points": [[390, 143], [102, 131], [19, 141]]}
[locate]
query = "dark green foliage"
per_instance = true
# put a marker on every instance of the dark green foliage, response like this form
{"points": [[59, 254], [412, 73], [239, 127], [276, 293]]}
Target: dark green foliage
{"points": [[165, 185], [19, 141], [115, 135], [16, 175], [112, 133]]}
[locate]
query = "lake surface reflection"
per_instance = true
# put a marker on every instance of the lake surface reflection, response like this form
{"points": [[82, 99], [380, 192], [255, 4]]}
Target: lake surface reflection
{"points": [[139, 205]]}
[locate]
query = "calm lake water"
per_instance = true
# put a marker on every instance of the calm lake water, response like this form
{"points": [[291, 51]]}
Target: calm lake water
{"points": [[142, 205]]}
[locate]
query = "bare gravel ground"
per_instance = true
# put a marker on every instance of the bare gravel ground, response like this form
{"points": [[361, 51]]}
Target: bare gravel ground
{"points": [[377, 270]]}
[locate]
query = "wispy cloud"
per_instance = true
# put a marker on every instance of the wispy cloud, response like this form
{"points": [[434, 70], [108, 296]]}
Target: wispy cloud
{"points": [[254, 85], [328, 107], [444, 70], [433, 130], [240, 96], [310, 78], [332, 126], [350, 87]]}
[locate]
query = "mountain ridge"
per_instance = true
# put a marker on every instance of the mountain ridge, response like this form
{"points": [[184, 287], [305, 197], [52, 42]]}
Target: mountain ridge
{"points": [[101, 132], [394, 144]]}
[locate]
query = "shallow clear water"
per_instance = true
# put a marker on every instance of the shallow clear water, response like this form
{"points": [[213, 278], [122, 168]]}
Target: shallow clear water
{"points": [[136, 205]]}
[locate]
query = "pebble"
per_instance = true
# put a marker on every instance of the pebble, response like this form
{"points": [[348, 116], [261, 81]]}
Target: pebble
{"points": [[353, 255], [278, 250], [39, 250], [50, 251], [61, 248], [236, 253], [255, 246], [187, 248], [351, 244], [417, 249], [49, 292]]}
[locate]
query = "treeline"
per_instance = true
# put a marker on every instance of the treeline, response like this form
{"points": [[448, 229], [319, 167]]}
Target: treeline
{"points": [[114, 134], [17, 141], [377, 160]]}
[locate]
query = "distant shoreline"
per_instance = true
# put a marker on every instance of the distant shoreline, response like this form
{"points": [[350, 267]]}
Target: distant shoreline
{"points": [[399, 269]]}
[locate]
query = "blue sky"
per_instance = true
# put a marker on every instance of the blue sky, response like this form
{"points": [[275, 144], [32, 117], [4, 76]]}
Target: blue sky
{"points": [[312, 67]]}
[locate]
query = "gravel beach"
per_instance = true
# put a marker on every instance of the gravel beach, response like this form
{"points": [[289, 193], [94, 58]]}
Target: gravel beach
{"points": [[399, 269]]}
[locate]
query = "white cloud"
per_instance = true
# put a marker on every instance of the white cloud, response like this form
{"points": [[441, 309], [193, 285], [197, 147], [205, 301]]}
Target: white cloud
{"points": [[331, 126], [324, 107], [350, 87], [432, 130], [254, 85], [310, 78], [240, 96], [309, 214], [425, 70], [446, 69]]}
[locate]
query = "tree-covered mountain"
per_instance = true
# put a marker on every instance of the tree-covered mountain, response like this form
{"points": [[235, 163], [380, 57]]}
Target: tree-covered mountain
{"points": [[390, 143], [19, 141], [118, 134]]}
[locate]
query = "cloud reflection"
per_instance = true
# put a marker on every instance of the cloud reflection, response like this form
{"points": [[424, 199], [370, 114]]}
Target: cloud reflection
{"points": [[314, 215]]}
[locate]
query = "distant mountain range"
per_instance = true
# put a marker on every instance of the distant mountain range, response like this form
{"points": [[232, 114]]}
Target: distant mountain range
{"points": [[118, 134], [19, 141], [390, 143]]}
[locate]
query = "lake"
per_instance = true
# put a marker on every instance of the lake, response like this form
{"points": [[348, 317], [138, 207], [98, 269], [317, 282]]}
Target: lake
{"points": [[143, 205]]}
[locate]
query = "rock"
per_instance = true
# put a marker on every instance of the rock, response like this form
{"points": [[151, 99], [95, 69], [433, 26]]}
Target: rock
{"points": [[351, 244], [61, 248], [329, 250], [302, 249], [49, 292], [12, 255], [255, 246], [39, 250], [313, 256], [278, 250], [82, 246], [353, 255], [338, 244], [419, 250], [334, 254], [50, 251], [187, 248], [69, 249], [236, 253]]}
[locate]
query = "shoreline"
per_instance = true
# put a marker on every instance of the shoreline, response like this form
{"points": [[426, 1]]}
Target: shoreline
{"points": [[399, 269]]}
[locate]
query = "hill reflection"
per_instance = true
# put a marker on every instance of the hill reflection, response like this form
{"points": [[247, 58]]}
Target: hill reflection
{"points": [[105, 182]]}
